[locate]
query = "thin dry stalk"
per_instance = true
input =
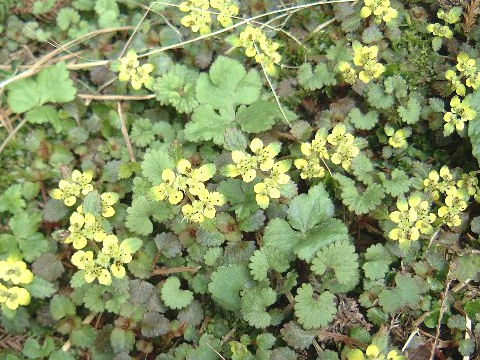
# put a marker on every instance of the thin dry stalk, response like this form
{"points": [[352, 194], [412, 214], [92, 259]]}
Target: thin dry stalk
{"points": [[174, 270], [440, 316], [125, 133], [115, 97]]}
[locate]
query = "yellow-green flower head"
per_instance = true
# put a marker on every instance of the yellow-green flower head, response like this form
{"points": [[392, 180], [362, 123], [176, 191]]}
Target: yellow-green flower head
{"points": [[363, 54], [170, 188], [372, 351], [440, 30], [398, 140], [469, 182], [83, 259], [456, 82], [452, 16], [405, 218], [257, 45], [465, 63], [141, 76], [265, 155], [108, 199], [130, 69], [199, 18], [14, 297], [227, 11], [310, 167], [348, 72], [15, 271], [119, 253], [245, 165], [204, 207], [318, 146], [371, 70], [69, 190], [380, 9], [84, 227], [128, 65]]}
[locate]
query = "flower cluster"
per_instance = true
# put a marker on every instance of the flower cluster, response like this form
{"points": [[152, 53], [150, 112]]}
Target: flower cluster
{"points": [[460, 109], [380, 9], [110, 260], [84, 227], [130, 70], [343, 150], [257, 45], [460, 112], [14, 272], [199, 15], [70, 190], [263, 159], [373, 353], [397, 138], [189, 182], [412, 218], [365, 60], [443, 31], [455, 191]]}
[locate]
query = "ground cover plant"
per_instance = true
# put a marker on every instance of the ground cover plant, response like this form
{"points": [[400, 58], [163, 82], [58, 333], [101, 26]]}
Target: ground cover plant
{"points": [[221, 179]]}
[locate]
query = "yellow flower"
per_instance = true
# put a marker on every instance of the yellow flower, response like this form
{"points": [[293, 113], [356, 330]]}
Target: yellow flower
{"points": [[372, 351], [355, 354], [107, 200], [82, 259], [141, 76], [14, 297], [257, 45], [15, 271], [398, 140], [98, 272], [120, 254], [128, 64], [349, 73]]}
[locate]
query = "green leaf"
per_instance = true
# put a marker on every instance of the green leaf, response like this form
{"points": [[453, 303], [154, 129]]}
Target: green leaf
{"points": [[132, 244], [122, 340], [11, 199], [61, 355], [377, 261], [259, 116], [360, 202], [234, 139], [279, 240], [226, 283], [240, 195], [411, 113], [399, 183], [259, 265], [173, 296], [206, 124], [42, 114], [92, 204], [67, 17], [33, 350], [406, 293], [306, 211], [466, 267], [226, 92], [253, 304], [296, 337], [315, 79], [362, 168], [363, 121], [177, 88], [339, 257], [314, 312], [138, 216], [61, 306], [84, 336], [319, 237], [25, 94], [154, 162], [396, 85], [378, 98]]}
